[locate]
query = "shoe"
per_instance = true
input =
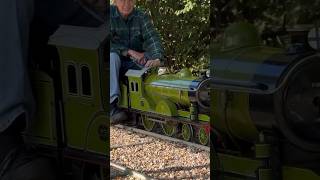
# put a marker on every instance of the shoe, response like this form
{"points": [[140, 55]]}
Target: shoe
{"points": [[117, 116]]}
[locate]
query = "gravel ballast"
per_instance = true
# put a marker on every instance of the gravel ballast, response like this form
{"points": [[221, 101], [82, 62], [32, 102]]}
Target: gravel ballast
{"points": [[157, 158]]}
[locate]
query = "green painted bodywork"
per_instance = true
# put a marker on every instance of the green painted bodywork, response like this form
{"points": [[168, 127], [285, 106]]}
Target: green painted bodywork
{"points": [[230, 110], [85, 115], [167, 108], [42, 128], [124, 96], [80, 109], [228, 119], [172, 87], [160, 94], [239, 60], [186, 114], [292, 173], [94, 141], [244, 168], [250, 59]]}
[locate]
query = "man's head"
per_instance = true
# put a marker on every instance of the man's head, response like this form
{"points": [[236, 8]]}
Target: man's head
{"points": [[125, 7]]}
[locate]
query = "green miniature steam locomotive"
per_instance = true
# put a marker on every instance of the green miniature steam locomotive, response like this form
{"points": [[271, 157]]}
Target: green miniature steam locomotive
{"points": [[178, 102], [71, 123], [265, 108]]}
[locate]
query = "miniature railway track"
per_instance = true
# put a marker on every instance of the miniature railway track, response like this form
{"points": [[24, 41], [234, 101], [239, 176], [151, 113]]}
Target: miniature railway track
{"points": [[140, 154], [160, 136], [192, 131], [121, 171]]}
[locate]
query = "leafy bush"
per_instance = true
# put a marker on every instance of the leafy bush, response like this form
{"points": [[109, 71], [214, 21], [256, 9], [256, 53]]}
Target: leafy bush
{"points": [[184, 28]]}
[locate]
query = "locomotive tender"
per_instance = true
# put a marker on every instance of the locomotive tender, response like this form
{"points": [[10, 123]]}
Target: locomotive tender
{"points": [[71, 123]]}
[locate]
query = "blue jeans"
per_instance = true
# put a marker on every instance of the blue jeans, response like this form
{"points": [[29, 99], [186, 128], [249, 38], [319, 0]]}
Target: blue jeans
{"points": [[118, 67]]}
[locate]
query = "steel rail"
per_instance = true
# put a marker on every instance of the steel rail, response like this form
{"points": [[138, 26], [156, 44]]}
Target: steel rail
{"points": [[127, 171], [160, 136]]}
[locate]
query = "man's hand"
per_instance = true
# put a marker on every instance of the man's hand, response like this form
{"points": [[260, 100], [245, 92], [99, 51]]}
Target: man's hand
{"points": [[139, 57], [153, 63]]}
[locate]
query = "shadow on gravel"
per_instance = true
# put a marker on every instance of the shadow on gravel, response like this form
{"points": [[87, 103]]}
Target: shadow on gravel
{"points": [[128, 145], [176, 168]]}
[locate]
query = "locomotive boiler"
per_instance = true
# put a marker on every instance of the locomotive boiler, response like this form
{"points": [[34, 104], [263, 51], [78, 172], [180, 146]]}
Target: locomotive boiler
{"points": [[265, 108]]}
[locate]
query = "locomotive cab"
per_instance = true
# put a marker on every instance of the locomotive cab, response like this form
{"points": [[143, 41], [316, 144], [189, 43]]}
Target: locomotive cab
{"points": [[138, 99]]}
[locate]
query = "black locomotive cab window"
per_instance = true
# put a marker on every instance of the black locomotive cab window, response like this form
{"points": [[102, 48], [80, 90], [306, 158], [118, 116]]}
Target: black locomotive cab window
{"points": [[137, 87], [72, 79], [86, 81], [132, 86]]}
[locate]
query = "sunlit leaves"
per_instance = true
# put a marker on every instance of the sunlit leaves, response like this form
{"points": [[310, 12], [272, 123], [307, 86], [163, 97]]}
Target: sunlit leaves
{"points": [[184, 27]]}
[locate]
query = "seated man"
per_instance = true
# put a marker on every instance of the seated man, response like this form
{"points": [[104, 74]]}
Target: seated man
{"points": [[134, 44]]}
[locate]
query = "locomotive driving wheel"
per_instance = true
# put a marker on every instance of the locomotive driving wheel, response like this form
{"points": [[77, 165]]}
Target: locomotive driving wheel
{"points": [[169, 128], [187, 132], [203, 137], [147, 123]]}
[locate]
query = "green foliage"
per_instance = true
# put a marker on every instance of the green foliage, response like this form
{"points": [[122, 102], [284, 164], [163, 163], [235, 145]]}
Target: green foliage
{"points": [[271, 17], [268, 13], [184, 28]]}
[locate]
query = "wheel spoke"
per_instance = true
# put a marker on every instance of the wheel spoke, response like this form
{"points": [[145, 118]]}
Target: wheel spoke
{"points": [[187, 132], [169, 129], [203, 137], [147, 123]]}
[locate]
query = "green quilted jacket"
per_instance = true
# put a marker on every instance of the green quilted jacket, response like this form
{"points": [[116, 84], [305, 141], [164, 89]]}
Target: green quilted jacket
{"points": [[136, 32]]}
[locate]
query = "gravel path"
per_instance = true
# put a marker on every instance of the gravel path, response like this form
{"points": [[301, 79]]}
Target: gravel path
{"points": [[157, 158]]}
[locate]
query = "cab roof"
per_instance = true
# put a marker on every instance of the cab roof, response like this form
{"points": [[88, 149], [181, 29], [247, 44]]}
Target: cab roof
{"points": [[79, 37]]}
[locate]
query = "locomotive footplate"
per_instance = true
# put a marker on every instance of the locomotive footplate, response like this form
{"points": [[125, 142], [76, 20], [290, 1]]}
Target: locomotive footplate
{"points": [[161, 118]]}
